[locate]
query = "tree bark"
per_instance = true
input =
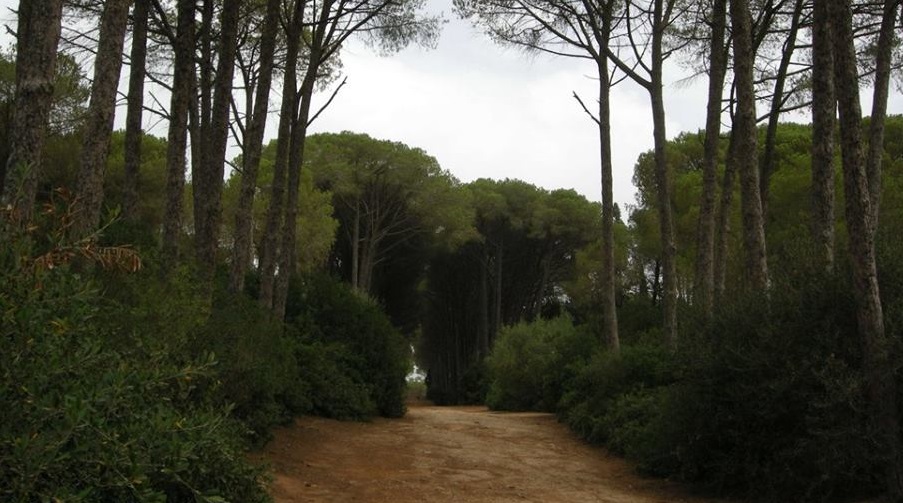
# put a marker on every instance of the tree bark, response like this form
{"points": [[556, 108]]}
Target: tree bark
{"points": [[356, 248], [663, 180], [253, 147], [877, 361], [824, 108], [724, 221], [609, 305], [135, 111], [745, 151], [271, 242], [704, 287], [208, 184], [100, 115], [38, 35], [483, 334], [181, 102], [879, 106]]}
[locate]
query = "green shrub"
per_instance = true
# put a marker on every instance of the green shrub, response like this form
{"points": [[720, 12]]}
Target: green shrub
{"points": [[530, 363], [350, 336], [87, 414], [772, 404], [610, 389]]}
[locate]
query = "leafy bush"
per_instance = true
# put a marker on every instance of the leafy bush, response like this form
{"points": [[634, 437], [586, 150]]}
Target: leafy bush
{"points": [[772, 403], [617, 392], [355, 360], [530, 363], [90, 414]]}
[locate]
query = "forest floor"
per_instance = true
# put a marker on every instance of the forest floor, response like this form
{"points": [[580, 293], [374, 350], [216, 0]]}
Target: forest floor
{"points": [[451, 454]]}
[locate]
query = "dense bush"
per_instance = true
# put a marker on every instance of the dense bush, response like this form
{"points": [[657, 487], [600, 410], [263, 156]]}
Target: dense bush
{"points": [[615, 397], [531, 362], [771, 404], [92, 414], [354, 359]]}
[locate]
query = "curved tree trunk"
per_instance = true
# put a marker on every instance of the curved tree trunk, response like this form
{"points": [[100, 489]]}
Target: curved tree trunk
{"points": [[181, 102], [879, 106], [769, 160], [745, 151], [878, 365], [134, 114], [704, 286], [38, 35], [100, 115], [253, 142]]}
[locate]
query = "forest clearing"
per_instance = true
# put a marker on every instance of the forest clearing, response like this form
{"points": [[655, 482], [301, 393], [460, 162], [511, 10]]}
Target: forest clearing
{"points": [[452, 454]]}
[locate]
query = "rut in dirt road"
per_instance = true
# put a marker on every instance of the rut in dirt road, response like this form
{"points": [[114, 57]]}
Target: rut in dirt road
{"points": [[451, 454]]}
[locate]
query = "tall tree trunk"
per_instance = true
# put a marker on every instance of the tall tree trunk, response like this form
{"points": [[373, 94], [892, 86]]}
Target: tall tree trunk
{"points": [[356, 247], [271, 242], [100, 115], [38, 35], [208, 187], [483, 329], [769, 159], [288, 261], [609, 305], [824, 109], [745, 152], [135, 111], [663, 180], [499, 261], [181, 102], [253, 147], [879, 106], [724, 220], [877, 361], [704, 286]]}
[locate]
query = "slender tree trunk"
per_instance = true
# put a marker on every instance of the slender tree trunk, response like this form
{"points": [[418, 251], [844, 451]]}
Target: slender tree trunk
{"points": [[38, 35], [135, 111], [878, 363], [663, 180], [253, 147], [356, 247], [483, 334], [745, 147], [724, 220], [824, 109], [208, 187], [609, 305], [704, 287], [879, 106], [288, 262], [181, 102], [100, 115], [271, 242], [499, 260], [656, 281], [769, 159]]}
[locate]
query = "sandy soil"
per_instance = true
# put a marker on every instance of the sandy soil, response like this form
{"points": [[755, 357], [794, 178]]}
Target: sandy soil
{"points": [[451, 454]]}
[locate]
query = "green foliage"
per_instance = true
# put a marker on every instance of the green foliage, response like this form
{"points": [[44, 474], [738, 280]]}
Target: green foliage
{"points": [[531, 363], [355, 359], [772, 403], [613, 394], [89, 412]]}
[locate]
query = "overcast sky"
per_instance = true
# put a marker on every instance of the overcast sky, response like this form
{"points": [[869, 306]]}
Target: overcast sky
{"points": [[488, 111]]}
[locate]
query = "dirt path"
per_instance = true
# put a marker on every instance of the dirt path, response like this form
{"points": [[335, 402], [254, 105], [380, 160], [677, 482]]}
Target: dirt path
{"points": [[451, 454]]}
